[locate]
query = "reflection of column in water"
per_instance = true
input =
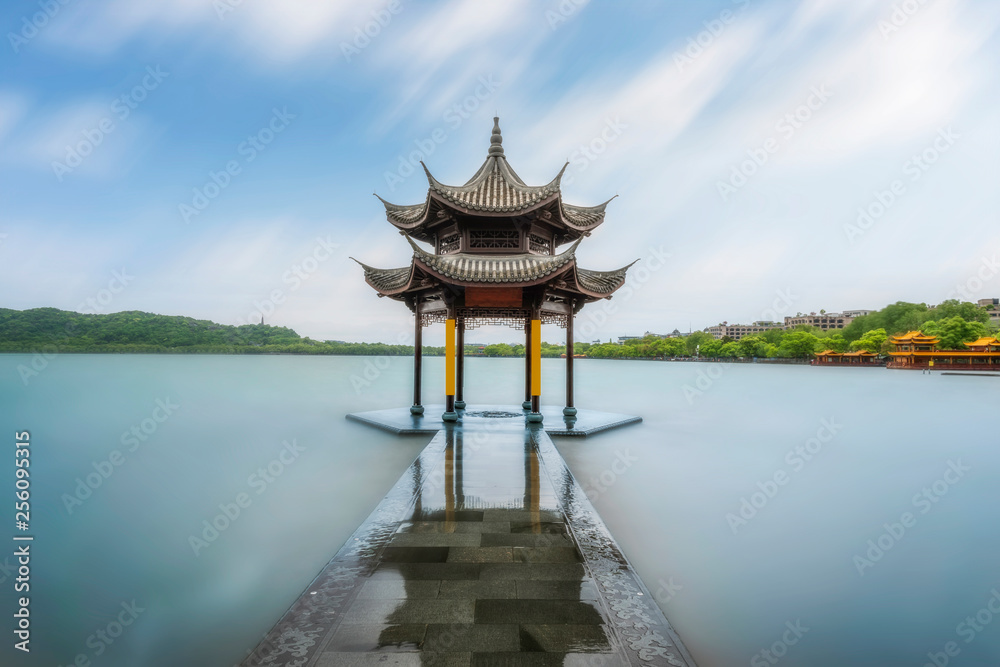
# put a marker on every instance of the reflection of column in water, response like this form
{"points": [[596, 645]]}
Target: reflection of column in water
{"points": [[459, 466], [449, 474], [531, 482], [418, 489]]}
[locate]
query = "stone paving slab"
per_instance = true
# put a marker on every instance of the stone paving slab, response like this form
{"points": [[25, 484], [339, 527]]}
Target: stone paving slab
{"points": [[485, 552]]}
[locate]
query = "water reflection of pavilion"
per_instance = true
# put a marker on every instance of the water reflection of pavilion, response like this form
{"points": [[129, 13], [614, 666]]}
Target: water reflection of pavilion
{"points": [[511, 563]]}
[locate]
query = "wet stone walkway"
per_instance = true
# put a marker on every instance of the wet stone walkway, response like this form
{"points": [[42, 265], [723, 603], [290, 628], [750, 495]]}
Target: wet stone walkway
{"points": [[486, 552]]}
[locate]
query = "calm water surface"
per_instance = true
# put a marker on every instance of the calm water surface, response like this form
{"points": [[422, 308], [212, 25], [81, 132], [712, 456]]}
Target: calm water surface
{"points": [[671, 490]]}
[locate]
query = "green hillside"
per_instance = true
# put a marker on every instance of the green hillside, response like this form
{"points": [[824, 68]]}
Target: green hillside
{"points": [[51, 329]]}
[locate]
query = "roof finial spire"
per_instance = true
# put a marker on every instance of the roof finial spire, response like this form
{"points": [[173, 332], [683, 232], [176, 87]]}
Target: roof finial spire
{"points": [[496, 140]]}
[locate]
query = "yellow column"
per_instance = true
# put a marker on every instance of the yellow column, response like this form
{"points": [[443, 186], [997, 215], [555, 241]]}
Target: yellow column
{"points": [[449, 372], [536, 357], [449, 357]]}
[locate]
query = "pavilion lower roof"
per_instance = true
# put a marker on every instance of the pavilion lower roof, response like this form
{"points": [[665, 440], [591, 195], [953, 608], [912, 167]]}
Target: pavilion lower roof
{"points": [[494, 270]]}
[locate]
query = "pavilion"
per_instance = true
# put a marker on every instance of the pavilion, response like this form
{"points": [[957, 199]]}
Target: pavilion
{"points": [[855, 358], [495, 260], [916, 350]]}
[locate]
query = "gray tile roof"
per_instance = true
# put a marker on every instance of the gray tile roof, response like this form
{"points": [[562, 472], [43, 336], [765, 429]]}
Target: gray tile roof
{"points": [[584, 217], [495, 188], [496, 269], [601, 282], [521, 268], [387, 281]]}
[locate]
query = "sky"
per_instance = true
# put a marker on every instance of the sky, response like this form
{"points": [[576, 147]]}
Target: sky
{"points": [[217, 158]]}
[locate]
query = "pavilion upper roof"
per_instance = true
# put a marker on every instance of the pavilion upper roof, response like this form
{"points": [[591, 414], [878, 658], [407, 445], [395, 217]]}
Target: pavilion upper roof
{"points": [[983, 342], [914, 337], [495, 190]]}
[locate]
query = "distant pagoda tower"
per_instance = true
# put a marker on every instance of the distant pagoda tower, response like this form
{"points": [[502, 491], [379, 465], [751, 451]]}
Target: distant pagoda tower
{"points": [[494, 262]]}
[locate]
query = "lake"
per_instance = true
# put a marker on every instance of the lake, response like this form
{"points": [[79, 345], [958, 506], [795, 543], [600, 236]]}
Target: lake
{"points": [[824, 516]]}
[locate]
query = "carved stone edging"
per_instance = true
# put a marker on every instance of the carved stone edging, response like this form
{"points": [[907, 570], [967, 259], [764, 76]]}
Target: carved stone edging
{"points": [[298, 638], [644, 630]]}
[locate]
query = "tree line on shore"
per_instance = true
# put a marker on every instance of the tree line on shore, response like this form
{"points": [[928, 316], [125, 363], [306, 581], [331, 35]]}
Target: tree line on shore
{"points": [[954, 322], [51, 329]]}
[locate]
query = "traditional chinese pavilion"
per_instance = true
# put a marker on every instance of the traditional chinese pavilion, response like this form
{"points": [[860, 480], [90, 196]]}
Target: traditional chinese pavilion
{"points": [[856, 358], [916, 350], [495, 259]]}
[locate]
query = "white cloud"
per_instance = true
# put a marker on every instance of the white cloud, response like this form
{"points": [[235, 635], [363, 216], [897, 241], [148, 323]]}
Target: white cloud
{"points": [[13, 107], [82, 138], [279, 31]]}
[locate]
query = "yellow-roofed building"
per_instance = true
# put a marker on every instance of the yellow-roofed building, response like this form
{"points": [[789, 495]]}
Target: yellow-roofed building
{"points": [[916, 350]]}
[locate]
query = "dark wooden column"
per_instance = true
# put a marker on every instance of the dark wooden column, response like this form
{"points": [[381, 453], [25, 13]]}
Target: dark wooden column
{"points": [[417, 408], [569, 410], [460, 365], [527, 363]]}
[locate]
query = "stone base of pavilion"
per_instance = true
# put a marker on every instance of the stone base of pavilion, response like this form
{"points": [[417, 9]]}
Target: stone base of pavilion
{"points": [[401, 422], [486, 552]]}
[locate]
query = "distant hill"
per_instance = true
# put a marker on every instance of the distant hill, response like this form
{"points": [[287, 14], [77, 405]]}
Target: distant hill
{"points": [[51, 329]]}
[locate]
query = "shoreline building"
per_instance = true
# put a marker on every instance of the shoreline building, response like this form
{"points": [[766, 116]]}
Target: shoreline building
{"points": [[824, 321], [857, 358], [992, 307], [738, 331], [915, 350], [494, 261]]}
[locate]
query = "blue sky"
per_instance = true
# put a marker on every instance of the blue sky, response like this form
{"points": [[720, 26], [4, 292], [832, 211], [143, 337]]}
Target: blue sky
{"points": [[221, 156]]}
